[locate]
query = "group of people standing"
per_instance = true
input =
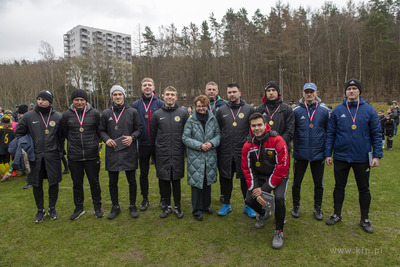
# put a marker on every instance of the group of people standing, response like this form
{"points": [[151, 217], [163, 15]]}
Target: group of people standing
{"points": [[224, 137]]}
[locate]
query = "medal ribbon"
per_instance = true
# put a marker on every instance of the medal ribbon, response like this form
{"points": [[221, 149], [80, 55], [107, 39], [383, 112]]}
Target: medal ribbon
{"points": [[146, 109], [355, 116], [119, 117], [259, 150], [83, 116], [269, 113], [308, 112], [212, 109], [234, 117], [48, 119]]}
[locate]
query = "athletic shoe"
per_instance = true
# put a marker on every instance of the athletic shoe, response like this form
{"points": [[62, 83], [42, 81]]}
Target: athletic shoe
{"points": [[98, 213], [115, 210], [28, 186], [366, 225], [208, 210], [296, 211], [261, 220], [145, 203], [334, 219], [39, 216], [167, 211], [14, 173], [318, 213], [226, 208], [277, 241], [6, 177], [77, 213], [249, 211], [178, 212], [53, 214], [133, 211], [198, 217]]}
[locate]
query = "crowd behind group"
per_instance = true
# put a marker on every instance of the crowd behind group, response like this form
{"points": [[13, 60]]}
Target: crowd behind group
{"points": [[220, 138]]}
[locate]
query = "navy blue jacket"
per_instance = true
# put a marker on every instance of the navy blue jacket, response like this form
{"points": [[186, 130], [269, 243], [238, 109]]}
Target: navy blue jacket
{"points": [[145, 139], [353, 145], [309, 143], [15, 148]]}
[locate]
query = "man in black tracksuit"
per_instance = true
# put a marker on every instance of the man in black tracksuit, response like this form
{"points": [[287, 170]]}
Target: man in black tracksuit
{"points": [[233, 121], [44, 126], [121, 121], [277, 114], [80, 126], [166, 127]]}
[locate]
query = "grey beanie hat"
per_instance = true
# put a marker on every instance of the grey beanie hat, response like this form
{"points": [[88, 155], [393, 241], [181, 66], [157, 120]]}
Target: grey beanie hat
{"points": [[117, 88]]}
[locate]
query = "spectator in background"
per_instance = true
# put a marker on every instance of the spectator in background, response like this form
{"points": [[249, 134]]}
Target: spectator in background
{"points": [[15, 113], [31, 106], [396, 114], [389, 128], [381, 115], [6, 136]]}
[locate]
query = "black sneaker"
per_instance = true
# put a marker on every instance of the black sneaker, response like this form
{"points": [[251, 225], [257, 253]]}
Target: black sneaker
{"points": [[53, 214], [178, 212], [163, 205], [39, 216], [366, 225], [143, 206], [261, 220], [198, 217], [115, 210], [133, 211], [277, 241], [77, 213], [208, 210], [28, 186], [167, 211], [334, 219], [296, 211], [318, 213], [98, 213]]}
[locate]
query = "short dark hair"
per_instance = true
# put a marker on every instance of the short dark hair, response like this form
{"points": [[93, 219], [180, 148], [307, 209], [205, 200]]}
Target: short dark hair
{"points": [[234, 84], [256, 116]]}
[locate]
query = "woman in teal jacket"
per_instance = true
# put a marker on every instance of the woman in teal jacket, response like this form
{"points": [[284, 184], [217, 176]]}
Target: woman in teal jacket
{"points": [[201, 135]]}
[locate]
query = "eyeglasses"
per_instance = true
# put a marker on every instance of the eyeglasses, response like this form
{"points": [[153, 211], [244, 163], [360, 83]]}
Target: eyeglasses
{"points": [[201, 107]]}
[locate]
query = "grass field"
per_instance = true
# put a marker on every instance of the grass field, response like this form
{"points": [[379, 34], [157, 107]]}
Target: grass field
{"points": [[216, 241]]}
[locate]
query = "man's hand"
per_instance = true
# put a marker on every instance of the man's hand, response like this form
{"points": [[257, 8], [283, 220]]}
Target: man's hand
{"points": [[329, 161], [261, 201], [127, 141], [375, 162], [111, 143], [256, 192]]}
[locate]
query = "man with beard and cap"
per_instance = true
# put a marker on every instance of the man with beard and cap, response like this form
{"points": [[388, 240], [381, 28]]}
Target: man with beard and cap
{"points": [[167, 126], [265, 165], [80, 127], [277, 114], [120, 127], [44, 126], [146, 106], [353, 129], [233, 121], [311, 121]]}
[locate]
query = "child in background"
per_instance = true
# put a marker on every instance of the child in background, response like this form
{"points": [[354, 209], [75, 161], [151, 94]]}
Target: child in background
{"points": [[6, 136], [381, 115], [389, 128]]}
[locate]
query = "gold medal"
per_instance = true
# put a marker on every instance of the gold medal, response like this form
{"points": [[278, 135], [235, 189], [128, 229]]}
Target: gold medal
{"points": [[81, 129], [353, 126], [46, 131], [311, 125], [116, 127], [258, 164], [234, 123], [271, 123], [146, 116]]}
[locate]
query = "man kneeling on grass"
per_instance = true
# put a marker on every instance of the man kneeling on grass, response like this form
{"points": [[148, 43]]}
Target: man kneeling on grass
{"points": [[265, 165]]}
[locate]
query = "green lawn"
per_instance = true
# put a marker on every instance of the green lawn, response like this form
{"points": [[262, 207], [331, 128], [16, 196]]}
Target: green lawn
{"points": [[229, 241]]}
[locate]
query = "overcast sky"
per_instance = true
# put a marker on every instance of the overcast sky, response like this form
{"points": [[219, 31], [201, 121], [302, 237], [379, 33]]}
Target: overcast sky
{"points": [[25, 23]]}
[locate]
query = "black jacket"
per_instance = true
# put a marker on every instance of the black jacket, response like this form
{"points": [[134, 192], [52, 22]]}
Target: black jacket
{"points": [[81, 145], [46, 146], [232, 137], [166, 129], [128, 125], [283, 119]]}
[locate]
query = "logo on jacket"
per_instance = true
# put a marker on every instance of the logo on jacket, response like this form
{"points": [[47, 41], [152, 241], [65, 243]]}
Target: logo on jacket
{"points": [[343, 116], [52, 123], [241, 115], [110, 119], [35, 122], [177, 118], [302, 118], [225, 115]]}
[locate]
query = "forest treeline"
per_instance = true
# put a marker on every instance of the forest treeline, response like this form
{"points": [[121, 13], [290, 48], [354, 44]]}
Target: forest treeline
{"points": [[326, 46]]}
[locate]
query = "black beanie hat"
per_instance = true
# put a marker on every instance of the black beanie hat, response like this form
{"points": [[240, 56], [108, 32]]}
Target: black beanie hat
{"points": [[46, 94], [354, 82], [22, 109], [79, 93], [274, 85]]}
